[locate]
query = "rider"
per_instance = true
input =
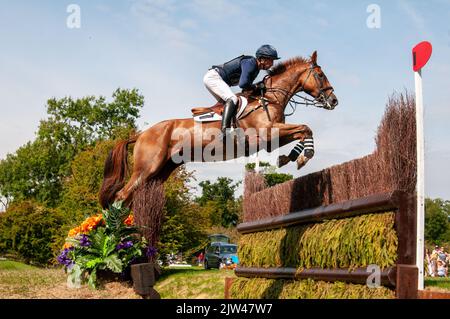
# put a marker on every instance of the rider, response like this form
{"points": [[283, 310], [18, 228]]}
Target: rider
{"points": [[240, 71]]}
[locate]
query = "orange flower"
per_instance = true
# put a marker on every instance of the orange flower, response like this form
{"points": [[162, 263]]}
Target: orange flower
{"points": [[87, 225], [130, 220], [90, 223], [74, 231]]}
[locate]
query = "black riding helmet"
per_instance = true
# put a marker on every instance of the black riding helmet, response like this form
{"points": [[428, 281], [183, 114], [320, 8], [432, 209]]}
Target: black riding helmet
{"points": [[267, 51]]}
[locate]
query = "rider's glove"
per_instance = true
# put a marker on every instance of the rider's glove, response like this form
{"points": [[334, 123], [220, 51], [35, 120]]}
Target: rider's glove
{"points": [[258, 87]]}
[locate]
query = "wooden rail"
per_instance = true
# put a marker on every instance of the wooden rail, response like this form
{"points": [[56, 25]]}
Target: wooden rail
{"points": [[356, 276]]}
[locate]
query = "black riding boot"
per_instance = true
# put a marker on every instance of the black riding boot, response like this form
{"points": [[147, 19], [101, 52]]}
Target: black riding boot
{"points": [[228, 113]]}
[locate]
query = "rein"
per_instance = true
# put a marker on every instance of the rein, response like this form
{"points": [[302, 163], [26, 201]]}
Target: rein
{"points": [[320, 101]]}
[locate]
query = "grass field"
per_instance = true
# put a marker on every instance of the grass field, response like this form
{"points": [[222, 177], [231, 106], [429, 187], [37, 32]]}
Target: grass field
{"points": [[20, 281], [436, 283]]}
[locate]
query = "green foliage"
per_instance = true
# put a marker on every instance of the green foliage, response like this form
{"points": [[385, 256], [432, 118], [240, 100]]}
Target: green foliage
{"points": [[437, 226], [260, 288], [84, 121], [109, 246], [218, 199], [80, 189], [271, 177], [28, 229], [185, 223], [344, 243], [250, 167], [33, 172], [38, 169]]}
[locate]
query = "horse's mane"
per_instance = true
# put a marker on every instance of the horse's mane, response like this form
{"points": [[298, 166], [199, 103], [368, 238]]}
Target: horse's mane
{"points": [[283, 66]]}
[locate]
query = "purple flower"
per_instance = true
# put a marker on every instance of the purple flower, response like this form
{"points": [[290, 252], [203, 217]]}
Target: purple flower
{"points": [[124, 245], [64, 259], [151, 251], [84, 241]]}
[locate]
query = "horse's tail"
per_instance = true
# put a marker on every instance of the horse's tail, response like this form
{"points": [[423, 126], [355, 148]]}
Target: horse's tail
{"points": [[115, 171]]}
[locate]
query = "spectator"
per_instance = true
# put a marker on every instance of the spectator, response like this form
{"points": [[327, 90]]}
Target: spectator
{"points": [[200, 258], [429, 264], [441, 269], [433, 261], [442, 255]]}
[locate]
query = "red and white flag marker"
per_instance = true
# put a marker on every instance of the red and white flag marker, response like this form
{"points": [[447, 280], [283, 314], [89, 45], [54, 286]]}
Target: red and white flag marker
{"points": [[421, 54]]}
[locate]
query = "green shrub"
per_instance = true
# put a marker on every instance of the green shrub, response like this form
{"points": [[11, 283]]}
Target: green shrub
{"points": [[28, 229]]}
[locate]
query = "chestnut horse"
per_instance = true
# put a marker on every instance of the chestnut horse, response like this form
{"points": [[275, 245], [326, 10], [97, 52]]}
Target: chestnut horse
{"points": [[156, 148]]}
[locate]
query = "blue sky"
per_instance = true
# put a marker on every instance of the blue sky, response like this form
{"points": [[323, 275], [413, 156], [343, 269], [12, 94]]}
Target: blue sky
{"points": [[160, 46]]}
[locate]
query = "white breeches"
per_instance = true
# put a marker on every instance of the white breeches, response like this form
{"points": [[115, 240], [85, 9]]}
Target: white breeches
{"points": [[217, 86]]}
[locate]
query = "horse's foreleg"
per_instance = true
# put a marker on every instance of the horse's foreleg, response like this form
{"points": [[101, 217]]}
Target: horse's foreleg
{"points": [[303, 151]]}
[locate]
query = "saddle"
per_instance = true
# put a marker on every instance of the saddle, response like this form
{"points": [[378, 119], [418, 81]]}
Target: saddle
{"points": [[216, 108], [214, 113]]}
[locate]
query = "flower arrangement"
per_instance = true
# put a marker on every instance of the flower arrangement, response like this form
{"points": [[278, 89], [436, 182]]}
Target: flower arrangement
{"points": [[107, 241]]}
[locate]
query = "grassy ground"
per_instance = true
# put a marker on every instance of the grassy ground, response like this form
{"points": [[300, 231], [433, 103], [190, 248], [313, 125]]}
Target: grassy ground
{"points": [[193, 283], [19, 281], [438, 284]]}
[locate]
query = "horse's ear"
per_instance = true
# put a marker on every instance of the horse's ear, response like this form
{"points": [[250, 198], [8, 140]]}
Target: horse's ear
{"points": [[314, 57]]}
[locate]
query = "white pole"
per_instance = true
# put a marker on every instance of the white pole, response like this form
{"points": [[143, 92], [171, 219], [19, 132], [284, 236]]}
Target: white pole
{"points": [[420, 178], [257, 162]]}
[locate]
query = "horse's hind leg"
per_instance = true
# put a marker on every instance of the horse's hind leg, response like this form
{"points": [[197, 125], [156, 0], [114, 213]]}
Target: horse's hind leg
{"points": [[150, 156]]}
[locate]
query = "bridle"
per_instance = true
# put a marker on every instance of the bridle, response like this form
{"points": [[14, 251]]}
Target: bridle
{"points": [[321, 100]]}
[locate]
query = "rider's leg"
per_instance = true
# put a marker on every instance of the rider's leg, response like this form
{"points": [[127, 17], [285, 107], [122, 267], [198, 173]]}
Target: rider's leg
{"points": [[228, 113], [217, 87], [221, 91]]}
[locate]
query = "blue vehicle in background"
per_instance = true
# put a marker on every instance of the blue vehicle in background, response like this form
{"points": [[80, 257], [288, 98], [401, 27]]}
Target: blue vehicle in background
{"points": [[221, 255]]}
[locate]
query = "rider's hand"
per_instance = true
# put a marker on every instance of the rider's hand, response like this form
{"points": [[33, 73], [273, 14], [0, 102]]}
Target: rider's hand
{"points": [[258, 87]]}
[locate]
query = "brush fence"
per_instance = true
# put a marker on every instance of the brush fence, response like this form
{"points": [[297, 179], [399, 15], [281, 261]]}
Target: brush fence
{"points": [[401, 277]]}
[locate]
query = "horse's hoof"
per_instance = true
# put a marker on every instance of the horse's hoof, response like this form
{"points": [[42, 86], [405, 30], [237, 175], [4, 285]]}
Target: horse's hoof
{"points": [[301, 161], [283, 160]]}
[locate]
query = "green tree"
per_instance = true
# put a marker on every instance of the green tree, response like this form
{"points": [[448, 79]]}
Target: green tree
{"points": [[38, 169], [437, 226], [28, 229], [184, 224], [80, 189], [219, 198], [271, 177]]}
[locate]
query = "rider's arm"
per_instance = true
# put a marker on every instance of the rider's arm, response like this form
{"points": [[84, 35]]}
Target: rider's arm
{"points": [[248, 68]]}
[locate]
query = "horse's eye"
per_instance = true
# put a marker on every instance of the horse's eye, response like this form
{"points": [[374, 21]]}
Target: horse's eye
{"points": [[320, 75]]}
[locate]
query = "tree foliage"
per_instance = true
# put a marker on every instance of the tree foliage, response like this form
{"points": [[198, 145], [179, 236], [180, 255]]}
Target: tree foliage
{"points": [[28, 230], [271, 177], [38, 169], [219, 200], [184, 223], [437, 226]]}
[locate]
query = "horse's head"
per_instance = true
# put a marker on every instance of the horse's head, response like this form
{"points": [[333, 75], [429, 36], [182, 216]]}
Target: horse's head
{"points": [[316, 84]]}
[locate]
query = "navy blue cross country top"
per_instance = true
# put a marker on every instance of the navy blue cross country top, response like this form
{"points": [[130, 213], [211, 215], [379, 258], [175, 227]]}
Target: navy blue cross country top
{"points": [[241, 71]]}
